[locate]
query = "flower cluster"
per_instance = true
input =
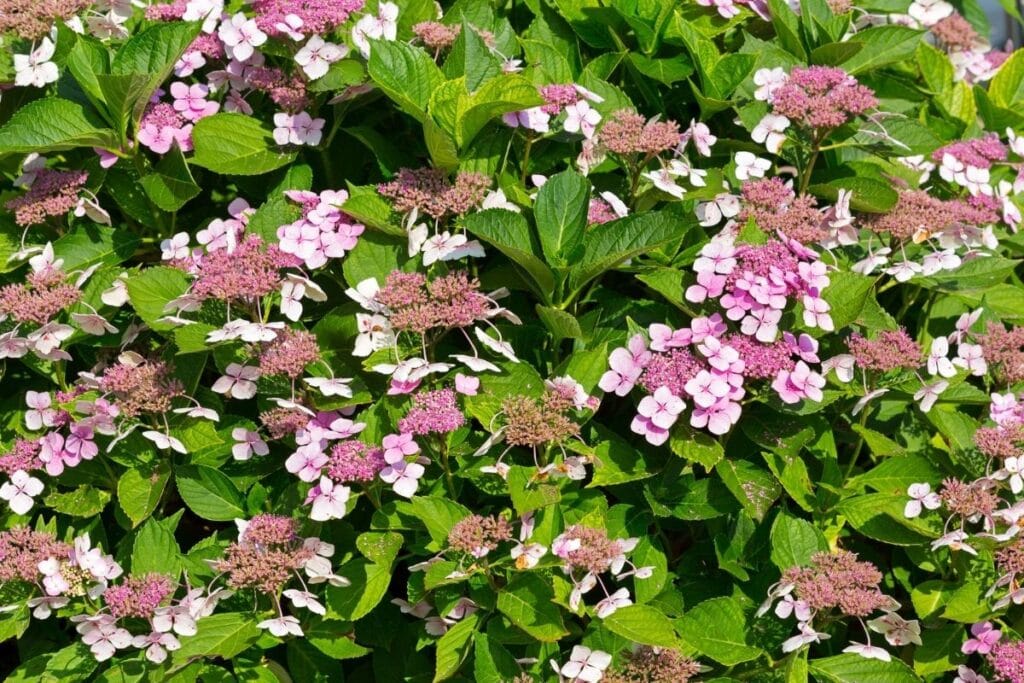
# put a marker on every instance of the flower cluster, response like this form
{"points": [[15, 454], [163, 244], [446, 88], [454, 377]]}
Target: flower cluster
{"points": [[839, 583], [268, 556], [587, 553]]}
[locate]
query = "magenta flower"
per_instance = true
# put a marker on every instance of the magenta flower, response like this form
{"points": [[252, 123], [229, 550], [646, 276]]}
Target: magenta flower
{"points": [[799, 383], [398, 446], [663, 408], [191, 101], [984, 636], [718, 418]]}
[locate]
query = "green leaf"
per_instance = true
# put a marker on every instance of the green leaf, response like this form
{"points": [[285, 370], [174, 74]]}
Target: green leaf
{"points": [[335, 638], [883, 45], [86, 60], [150, 290], [894, 475], [72, 663], [406, 74], [138, 493], [869, 195], [973, 275], [1007, 87], [439, 515], [492, 663], [84, 501], [497, 96], [718, 628], [754, 487], [527, 493], [171, 185], [340, 75], [221, 635], [470, 57], [454, 645], [935, 67], [880, 516], [369, 586], [852, 668], [52, 125], [561, 215], [307, 663], [152, 53], [696, 446], [642, 624], [90, 245], [369, 208], [561, 324], [666, 71], [209, 493], [609, 244], [155, 549], [939, 650], [510, 234], [527, 602], [794, 541], [235, 144], [846, 294]]}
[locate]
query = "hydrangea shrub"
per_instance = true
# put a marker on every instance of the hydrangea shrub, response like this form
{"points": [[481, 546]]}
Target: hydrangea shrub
{"points": [[511, 342]]}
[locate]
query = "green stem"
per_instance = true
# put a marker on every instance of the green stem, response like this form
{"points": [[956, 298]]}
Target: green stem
{"points": [[448, 479], [860, 444], [526, 160]]}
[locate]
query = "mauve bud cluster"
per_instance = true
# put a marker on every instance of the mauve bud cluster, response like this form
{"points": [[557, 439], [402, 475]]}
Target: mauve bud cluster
{"points": [[266, 556], [33, 20], [249, 271], [417, 304], [627, 132], [775, 208], [978, 152], [1007, 661], [286, 91], [648, 664], [557, 97], [821, 97], [352, 461], [1001, 442], [969, 499], [477, 535], [43, 295], [22, 550], [918, 213], [289, 353], [537, 422], [838, 581], [147, 387], [52, 193], [587, 549], [1004, 349], [428, 190], [888, 350], [435, 35], [1010, 558], [23, 455], [315, 17], [139, 596], [166, 11], [280, 422], [433, 412], [956, 33]]}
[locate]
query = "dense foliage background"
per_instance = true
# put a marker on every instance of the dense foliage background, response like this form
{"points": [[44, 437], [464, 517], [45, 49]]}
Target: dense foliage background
{"points": [[622, 340]]}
